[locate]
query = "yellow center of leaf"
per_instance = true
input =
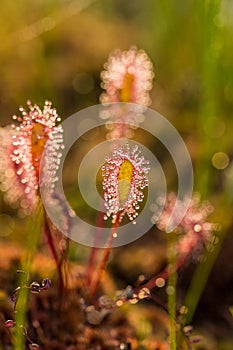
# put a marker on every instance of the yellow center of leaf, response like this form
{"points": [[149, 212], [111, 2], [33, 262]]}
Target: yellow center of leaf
{"points": [[126, 91], [38, 140], [124, 181]]}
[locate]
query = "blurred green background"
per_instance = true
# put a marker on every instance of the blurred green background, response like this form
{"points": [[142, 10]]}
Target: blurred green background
{"points": [[55, 49]]}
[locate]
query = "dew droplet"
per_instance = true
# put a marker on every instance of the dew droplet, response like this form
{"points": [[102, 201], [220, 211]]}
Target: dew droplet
{"points": [[160, 282]]}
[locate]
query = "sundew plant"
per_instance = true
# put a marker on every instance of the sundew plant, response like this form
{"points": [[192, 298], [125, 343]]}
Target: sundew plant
{"points": [[127, 78], [131, 265]]}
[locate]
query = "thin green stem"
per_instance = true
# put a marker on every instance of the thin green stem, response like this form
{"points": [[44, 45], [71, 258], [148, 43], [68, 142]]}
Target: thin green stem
{"points": [[171, 288], [33, 232], [209, 59], [199, 281], [204, 268]]}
